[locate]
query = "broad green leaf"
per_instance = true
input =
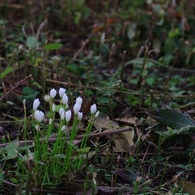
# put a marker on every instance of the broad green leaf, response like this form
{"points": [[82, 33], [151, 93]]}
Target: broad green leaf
{"points": [[182, 136], [84, 150], [31, 42], [6, 72], [174, 33], [28, 94], [76, 69], [11, 150], [171, 118], [14, 180], [53, 46]]}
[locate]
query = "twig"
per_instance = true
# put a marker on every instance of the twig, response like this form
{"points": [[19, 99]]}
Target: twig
{"points": [[8, 183], [22, 81], [79, 137]]}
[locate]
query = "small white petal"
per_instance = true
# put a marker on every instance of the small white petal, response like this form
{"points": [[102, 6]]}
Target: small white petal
{"points": [[76, 108], [97, 114], [68, 115], [80, 115], [61, 91], [93, 108], [36, 104], [79, 100], [65, 99], [53, 93]]}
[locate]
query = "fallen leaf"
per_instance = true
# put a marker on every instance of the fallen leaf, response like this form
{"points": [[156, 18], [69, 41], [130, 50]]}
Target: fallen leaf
{"points": [[103, 122], [188, 186], [129, 176], [128, 120], [124, 141]]}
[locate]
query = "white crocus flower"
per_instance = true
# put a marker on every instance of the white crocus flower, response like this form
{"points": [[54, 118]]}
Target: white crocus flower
{"points": [[76, 108], [36, 104], [39, 115], [68, 115], [65, 99], [80, 115], [53, 93], [61, 91], [93, 108], [79, 100]]}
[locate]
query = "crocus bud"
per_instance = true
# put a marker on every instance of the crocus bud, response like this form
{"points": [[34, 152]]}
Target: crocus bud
{"points": [[53, 108], [39, 115], [68, 115], [63, 128], [47, 98], [61, 91], [80, 115], [65, 99], [62, 115], [76, 108], [50, 121], [79, 100], [37, 127], [93, 108], [61, 110], [53, 93], [36, 104], [97, 114]]}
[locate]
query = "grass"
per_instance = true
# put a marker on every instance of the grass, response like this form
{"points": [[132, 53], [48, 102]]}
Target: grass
{"points": [[128, 58]]}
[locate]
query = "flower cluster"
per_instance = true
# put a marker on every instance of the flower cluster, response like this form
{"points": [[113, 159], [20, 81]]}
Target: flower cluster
{"points": [[64, 112]]}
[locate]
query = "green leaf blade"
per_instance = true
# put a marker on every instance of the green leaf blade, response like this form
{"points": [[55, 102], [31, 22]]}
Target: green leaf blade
{"points": [[171, 118]]}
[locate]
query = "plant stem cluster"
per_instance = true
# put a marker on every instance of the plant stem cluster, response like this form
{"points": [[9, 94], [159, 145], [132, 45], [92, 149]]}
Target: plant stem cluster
{"points": [[64, 155]]}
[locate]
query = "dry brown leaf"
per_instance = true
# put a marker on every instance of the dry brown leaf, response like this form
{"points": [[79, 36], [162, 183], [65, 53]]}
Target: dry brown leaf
{"points": [[188, 186], [124, 141], [128, 120], [151, 121], [103, 122]]}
